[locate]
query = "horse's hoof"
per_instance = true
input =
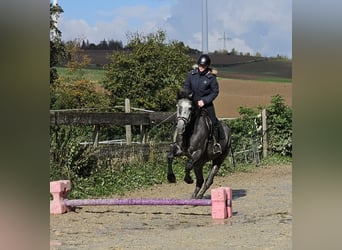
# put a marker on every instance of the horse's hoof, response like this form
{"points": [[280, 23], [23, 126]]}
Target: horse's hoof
{"points": [[171, 178], [200, 196], [188, 180]]}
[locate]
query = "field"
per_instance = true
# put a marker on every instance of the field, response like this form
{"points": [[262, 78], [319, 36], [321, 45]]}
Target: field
{"points": [[235, 93]]}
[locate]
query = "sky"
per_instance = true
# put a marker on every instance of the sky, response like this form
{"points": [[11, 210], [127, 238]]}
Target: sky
{"points": [[254, 26]]}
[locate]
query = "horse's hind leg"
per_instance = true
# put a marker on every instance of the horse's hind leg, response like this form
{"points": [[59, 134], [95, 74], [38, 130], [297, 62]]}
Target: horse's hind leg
{"points": [[209, 181]]}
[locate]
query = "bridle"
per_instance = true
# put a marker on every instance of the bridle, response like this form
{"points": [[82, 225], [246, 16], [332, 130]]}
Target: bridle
{"points": [[186, 120]]}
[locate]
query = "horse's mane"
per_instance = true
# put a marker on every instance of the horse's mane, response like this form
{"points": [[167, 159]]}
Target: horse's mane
{"points": [[181, 94]]}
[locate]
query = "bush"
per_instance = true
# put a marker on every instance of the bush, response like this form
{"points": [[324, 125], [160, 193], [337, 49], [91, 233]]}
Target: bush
{"points": [[279, 119], [246, 129]]}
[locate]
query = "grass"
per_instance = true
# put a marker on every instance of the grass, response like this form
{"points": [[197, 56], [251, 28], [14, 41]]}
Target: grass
{"points": [[267, 79], [97, 74], [274, 79], [94, 75], [268, 71]]}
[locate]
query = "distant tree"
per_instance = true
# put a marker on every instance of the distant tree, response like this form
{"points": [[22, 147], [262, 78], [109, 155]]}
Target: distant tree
{"points": [[149, 72], [85, 44], [115, 45], [103, 45], [76, 60], [233, 52], [258, 54], [92, 46]]}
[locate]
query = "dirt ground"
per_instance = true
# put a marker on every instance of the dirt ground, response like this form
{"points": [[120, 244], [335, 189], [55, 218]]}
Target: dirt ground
{"points": [[249, 93], [262, 218]]}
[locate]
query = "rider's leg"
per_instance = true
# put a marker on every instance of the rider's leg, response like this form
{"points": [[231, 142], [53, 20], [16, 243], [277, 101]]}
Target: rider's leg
{"points": [[211, 113]]}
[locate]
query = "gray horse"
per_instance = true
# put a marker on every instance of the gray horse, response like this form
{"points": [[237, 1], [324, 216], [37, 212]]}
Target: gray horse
{"points": [[193, 138]]}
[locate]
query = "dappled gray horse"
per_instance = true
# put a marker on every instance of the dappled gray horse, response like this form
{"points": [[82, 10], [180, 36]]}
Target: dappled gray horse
{"points": [[193, 139]]}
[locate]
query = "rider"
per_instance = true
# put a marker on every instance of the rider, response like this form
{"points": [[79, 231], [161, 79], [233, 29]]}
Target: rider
{"points": [[201, 83]]}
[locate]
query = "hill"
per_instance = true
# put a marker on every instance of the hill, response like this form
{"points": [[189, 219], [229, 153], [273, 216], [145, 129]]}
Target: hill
{"points": [[251, 67], [228, 66]]}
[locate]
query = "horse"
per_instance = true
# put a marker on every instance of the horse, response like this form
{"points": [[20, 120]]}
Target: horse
{"points": [[192, 138]]}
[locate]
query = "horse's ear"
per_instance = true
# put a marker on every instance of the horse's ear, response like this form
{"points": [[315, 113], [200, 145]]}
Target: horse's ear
{"points": [[180, 94]]}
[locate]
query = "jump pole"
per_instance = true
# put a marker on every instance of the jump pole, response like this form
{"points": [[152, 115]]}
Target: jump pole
{"points": [[221, 201]]}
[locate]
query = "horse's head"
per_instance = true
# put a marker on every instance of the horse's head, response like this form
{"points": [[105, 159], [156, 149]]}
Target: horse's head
{"points": [[184, 112]]}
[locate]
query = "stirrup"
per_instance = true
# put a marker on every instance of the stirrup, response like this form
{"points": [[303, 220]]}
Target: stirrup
{"points": [[217, 148]]}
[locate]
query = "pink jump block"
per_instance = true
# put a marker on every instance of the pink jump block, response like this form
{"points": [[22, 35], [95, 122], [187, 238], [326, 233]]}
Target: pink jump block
{"points": [[221, 203], [59, 191]]}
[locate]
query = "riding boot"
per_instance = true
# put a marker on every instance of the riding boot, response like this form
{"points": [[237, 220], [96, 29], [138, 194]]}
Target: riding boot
{"points": [[217, 146]]}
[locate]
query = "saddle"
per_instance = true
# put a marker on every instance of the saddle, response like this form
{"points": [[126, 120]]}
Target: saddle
{"points": [[211, 127], [215, 134]]}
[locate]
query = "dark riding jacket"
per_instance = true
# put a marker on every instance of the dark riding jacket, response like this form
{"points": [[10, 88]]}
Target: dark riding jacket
{"points": [[201, 86]]}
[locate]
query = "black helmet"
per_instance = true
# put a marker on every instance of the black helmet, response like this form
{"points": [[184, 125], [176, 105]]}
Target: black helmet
{"points": [[203, 60]]}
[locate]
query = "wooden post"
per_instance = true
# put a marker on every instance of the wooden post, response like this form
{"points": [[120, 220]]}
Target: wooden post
{"points": [[128, 127], [264, 133], [255, 151], [143, 134], [96, 136]]}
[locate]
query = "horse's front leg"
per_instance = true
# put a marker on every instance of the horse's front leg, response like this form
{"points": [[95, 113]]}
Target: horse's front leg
{"points": [[194, 157], [175, 149], [187, 178]]}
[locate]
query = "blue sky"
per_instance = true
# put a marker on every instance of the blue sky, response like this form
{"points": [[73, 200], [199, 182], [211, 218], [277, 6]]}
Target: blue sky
{"points": [[263, 26]]}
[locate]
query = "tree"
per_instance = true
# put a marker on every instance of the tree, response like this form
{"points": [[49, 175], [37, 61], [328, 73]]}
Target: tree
{"points": [[77, 60], [57, 48], [233, 52], [73, 90], [115, 45], [103, 44], [149, 72]]}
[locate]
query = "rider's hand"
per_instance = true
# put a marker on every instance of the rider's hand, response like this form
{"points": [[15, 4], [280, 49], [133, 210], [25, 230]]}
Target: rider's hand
{"points": [[200, 103]]}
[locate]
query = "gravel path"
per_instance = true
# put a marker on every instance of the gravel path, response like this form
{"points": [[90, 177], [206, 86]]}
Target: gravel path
{"points": [[262, 218]]}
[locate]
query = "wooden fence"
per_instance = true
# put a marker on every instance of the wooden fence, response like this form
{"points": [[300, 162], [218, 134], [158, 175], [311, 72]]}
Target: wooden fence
{"points": [[128, 119], [98, 119], [109, 118]]}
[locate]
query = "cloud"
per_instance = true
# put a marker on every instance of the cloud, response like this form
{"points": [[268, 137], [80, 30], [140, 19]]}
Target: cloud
{"points": [[253, 26]]}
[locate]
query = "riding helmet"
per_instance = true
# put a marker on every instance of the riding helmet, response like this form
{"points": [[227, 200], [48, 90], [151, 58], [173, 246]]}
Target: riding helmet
{"points": [[204, 61]]}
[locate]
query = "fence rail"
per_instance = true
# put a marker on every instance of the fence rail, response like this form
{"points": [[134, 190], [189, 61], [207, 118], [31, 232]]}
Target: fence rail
{"points": [[109, 118]]}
